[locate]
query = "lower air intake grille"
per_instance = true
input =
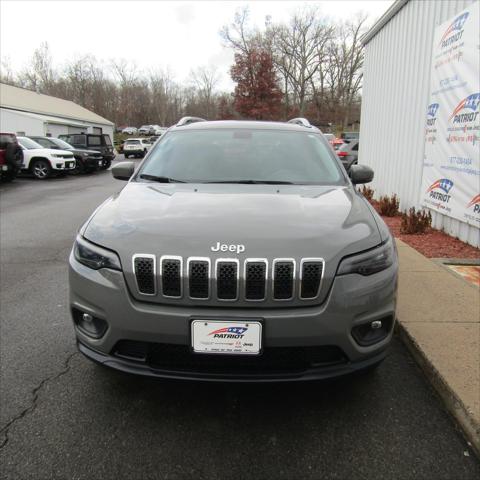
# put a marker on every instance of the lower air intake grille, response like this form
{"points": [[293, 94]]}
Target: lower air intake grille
{"points": [[255, 278], [227, 285], [311, 276], [283, 280], [145, 274], [198, 273], [171, 278], [179, 358]]}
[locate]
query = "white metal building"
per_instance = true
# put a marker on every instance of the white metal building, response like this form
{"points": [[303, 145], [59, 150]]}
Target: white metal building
{"points": [[398, 54], [30, 113]]}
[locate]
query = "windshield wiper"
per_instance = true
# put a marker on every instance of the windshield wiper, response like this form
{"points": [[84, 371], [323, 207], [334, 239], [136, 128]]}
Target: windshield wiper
{"points": [[156, 178], [254, 182]]}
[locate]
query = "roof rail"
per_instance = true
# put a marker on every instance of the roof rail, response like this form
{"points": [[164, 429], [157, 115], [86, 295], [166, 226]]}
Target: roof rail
{"points": [[188, 120], [303, 122]]}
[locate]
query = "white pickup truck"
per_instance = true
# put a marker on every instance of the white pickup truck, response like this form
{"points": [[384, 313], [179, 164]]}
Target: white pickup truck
{"points": [[44, 162]]}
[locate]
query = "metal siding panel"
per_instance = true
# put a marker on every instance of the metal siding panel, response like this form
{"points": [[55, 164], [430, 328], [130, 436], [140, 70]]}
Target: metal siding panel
{"points": [[395, 96]]}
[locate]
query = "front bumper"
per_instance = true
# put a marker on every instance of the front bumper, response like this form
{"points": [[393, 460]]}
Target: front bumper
{"points": [[67, 165], [353, 300], [138, 151]]}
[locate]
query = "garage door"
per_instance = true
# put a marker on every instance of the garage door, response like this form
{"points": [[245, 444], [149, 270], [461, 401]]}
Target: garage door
{"points": [[54, 130], [77, 130]]}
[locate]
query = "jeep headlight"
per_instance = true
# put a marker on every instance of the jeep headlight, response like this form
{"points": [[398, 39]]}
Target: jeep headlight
{"points": [[57, 155], [95, 257], [369, 262]]}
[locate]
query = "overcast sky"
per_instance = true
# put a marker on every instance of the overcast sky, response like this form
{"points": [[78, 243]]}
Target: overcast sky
{"points": [[154, 34]]}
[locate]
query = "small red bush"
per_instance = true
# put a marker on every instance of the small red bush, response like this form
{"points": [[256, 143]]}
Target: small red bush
{"points": [[415, 221], [388, 206]]}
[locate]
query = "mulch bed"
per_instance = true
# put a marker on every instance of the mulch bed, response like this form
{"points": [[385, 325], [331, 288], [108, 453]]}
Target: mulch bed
{"points": [[434, 243]]}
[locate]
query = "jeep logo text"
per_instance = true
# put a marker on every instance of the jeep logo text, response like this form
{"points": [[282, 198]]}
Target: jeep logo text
{"points": [[223, 247]]}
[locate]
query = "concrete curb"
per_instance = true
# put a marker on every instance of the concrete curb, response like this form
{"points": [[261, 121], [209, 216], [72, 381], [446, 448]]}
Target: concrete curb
{"points": [[471, 429]]}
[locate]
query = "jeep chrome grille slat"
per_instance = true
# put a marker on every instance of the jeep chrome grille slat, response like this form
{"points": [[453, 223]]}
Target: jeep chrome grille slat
{"points": [[311, 274], [283, 278], [144, 266], [225, 279], [227, 276], [199, 278], [172, 276], [256, 276]]}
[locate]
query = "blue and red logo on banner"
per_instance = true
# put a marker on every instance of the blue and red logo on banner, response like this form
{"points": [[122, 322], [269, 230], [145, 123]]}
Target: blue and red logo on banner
{"points": [[468, 103], [455, 30]]}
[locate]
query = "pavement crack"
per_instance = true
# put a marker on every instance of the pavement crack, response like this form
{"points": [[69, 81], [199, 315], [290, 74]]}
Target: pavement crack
{"points": [[33, 404]]}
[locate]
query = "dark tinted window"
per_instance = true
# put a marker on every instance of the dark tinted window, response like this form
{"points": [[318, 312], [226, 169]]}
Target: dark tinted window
{"points": [[355, 147], [107, 139], [244, 154], [77, 139], [95, 141]]}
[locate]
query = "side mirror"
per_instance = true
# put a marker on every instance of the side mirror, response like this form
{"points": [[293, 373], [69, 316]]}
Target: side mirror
{"points": [[123, 170], [360, 174]]}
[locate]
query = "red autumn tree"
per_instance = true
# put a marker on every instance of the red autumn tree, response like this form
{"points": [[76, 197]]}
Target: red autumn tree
{"points": [[257, 95]]}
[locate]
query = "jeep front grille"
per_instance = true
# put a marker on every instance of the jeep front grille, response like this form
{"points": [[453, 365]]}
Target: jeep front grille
{"points": [[198, 278], [171, 271], [225, 279], [145, 273], [283, 279], [311, 276], [255, 279]]}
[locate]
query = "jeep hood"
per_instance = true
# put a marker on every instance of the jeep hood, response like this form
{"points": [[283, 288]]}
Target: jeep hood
{"points": [[271, 221]]}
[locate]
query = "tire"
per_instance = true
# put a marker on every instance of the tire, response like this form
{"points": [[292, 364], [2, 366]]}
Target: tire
{"points": [[9, 176], [106, 165], [41, 169], [79, 168]]}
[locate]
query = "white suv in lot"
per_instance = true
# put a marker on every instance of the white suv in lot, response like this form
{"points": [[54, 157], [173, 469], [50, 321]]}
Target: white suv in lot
{"points": [[44, 162], [138, 147]]}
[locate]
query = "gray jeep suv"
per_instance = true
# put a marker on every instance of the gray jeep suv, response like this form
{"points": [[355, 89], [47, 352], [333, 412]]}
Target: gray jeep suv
{"points": [[237, 251]]}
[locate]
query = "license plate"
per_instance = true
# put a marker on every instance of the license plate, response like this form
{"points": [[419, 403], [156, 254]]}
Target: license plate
{"points": [[214, 336]]}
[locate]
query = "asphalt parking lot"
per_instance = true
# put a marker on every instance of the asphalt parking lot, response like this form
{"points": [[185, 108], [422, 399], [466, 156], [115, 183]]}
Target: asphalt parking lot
{"points": [[64, 417]]}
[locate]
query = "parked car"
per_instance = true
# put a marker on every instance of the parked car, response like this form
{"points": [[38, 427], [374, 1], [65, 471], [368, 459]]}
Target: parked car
{"points": [[348, 153], [153, 139], [158, 130], [93, 141], [350, 135], [86, 161], [337, 143], [238, 251], [11, 157], [138, 147], [146, 130], [130, 130], [44, 162]]}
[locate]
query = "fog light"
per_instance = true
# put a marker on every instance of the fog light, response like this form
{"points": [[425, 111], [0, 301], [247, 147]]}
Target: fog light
{"points": [[369, 333], [88, 324]]}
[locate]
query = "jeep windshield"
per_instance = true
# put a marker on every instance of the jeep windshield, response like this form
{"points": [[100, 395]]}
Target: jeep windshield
{"points": [[247, 156], [28, 144]]}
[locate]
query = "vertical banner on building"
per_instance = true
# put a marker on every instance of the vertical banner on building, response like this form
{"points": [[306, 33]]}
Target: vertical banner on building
{"points": [[451, 169]]}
